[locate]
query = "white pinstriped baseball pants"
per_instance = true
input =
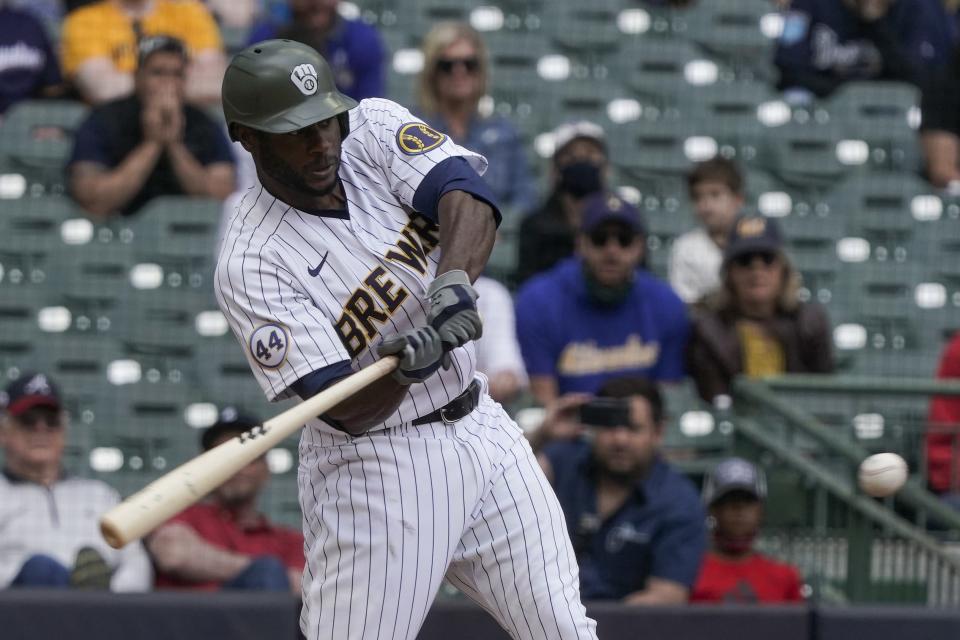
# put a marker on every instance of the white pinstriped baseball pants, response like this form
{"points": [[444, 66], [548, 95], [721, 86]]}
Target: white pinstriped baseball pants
{"points": [[389, 515]]}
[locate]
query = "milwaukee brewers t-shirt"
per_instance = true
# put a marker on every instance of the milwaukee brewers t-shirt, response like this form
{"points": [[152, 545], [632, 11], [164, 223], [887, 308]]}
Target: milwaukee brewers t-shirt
{"points": [[27, 61], [565, 334]]}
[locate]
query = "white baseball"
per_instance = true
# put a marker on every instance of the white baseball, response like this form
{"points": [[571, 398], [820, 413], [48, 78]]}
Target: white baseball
{"points": [[882, 474]]}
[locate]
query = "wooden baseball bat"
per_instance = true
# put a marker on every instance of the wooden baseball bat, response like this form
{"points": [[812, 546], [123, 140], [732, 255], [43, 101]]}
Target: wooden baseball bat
{"points": [[173, 492]]}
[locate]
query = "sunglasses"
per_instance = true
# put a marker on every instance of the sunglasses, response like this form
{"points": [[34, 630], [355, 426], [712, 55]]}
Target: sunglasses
{"points": [[446, 65], [31, 420], [746, 259], [600, 237]]}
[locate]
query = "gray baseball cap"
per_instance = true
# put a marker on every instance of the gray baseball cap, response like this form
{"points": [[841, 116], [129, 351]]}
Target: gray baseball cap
{"points": [[734, 474]]}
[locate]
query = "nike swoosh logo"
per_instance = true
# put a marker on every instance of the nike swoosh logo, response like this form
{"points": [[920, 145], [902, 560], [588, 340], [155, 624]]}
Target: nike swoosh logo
{"points": [[314, 272]]}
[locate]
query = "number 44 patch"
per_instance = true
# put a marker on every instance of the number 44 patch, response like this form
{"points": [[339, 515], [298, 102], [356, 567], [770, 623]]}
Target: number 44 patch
{"points": [[268, 344]]}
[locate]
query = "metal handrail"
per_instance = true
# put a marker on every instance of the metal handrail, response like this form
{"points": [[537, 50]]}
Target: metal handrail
{"points": [[912, 494]]}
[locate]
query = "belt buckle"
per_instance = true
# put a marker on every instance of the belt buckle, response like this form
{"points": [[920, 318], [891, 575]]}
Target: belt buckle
{"points": [[444, 418]]}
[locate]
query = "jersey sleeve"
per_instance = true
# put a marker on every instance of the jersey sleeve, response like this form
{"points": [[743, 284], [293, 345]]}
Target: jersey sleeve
{"points": [[284, 336], [406, 147]]}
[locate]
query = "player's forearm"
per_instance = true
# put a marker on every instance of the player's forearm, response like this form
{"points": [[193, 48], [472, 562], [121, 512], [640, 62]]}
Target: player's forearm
{"points": [[104, 192], [467, 233], [358, 413], [179, 551]]}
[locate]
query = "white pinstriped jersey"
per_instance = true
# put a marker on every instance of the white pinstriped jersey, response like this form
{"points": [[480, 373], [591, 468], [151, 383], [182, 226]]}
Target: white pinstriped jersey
{"points": [[303, 290]]}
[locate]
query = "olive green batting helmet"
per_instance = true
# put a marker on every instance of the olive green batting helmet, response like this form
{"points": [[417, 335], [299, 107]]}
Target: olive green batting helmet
{"points": [[279, 86]]}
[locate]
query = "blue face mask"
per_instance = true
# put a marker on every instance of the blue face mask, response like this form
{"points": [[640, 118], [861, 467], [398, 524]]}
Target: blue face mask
{"points": [[580, 179]]}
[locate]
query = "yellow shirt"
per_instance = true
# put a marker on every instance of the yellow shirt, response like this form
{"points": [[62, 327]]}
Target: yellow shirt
{"points": [[762, 353], [103, 30]]}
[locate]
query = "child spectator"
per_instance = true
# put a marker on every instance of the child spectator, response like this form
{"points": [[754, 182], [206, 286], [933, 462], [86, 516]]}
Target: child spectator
{"points": [[716, 191], [732, 571], [101, 42]]}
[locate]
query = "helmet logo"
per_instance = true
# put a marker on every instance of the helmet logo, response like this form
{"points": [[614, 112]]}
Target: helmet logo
{"points": [[305, 77]]}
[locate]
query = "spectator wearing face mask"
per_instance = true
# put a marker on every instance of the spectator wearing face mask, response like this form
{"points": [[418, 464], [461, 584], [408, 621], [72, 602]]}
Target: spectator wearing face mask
{"points": [[580, 168]]}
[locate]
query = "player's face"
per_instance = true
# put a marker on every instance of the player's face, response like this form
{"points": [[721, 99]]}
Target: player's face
{"points": [[738, 516], [35, 438], [611, 253], [163, 74], [305, 161], [246, 484], [716, 205], [627, 451], [458, 73], [757, 278]]}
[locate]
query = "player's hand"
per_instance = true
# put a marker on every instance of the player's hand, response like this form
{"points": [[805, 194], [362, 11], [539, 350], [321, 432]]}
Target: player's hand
{"points": [[421, 353], [453, 309]]}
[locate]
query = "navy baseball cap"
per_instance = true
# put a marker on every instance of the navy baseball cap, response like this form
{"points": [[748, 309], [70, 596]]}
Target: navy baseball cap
{"points": [[753, 234], [734, 474], [608, 207], [231, 422], [28, 391]]}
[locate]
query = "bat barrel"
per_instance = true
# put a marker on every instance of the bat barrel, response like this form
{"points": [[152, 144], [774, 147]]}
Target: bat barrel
{"points": [[170, 494]]}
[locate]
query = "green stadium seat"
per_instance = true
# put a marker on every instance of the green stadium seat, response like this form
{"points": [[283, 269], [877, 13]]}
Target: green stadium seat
{"points": [[225, 375], [20, 333], [730, 29], [727, 106], [587, 27], [34, 224], [177, 226], [78, 361], [157, 321], [36, 140], [805, 155], [94, 272], [651, 148], [884, 114], [655, 68]]}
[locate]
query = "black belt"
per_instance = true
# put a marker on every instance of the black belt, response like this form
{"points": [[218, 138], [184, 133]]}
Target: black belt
{"points": [[458, 408]]}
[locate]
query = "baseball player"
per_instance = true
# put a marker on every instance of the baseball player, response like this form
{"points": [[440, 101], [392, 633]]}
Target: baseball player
{"points": [[361, 238]]}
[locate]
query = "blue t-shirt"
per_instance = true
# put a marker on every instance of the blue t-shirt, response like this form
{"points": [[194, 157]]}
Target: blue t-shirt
{"points": [[564, 334], [660, 531], [353, 49], [508, 175], [823, 43], [27, 60]]}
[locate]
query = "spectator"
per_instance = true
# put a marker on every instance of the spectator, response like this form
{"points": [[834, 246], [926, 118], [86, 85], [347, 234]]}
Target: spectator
{"points": [[580, 168], [352, 47], [101, 41], [28, 65], [599, 315], [498, 354], [755, 324], [234, 14], [826, 43], [225, 543], [943, 434], [49, 535], [151, 143], [716, 190], [454, 78], [636, 523], [940, 127], [732, 571]]}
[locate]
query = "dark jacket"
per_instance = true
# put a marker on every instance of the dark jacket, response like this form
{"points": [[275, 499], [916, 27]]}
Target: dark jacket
{"points": [[714, 353], [546, 238]]}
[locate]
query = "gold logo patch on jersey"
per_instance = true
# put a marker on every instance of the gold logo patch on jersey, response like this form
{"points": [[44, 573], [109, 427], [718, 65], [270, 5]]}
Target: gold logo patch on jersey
{"points": [[416, 138]]}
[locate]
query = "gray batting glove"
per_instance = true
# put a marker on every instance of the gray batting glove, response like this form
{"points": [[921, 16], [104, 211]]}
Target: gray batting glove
{"points": [[453, 309], [421, 353]]}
